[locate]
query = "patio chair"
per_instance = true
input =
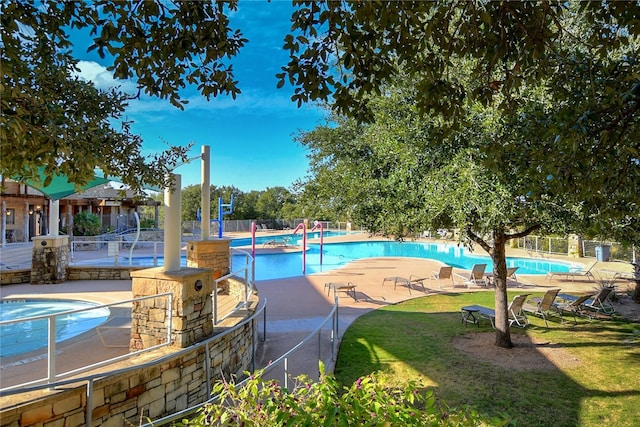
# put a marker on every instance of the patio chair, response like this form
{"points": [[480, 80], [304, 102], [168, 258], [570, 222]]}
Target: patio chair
{"points": [[514, 311], [573, 305], [600, 302], [585, 272], [445, 272], [543, 306], [402, 281], [476, 277], [511, 275], [417, 280]]}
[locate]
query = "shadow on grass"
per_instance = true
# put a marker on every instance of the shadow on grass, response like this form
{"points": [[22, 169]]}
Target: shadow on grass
{"points": [[582, 375]]}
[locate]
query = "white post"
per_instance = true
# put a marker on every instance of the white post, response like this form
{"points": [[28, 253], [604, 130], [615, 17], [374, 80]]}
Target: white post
{"points": [[205, 195], [3, 224], [172, 225], [54, 215], [27, 217]]}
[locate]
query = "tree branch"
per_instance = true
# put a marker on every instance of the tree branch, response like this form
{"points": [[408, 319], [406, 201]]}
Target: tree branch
{"points": [[523, 233], [477, 239]]}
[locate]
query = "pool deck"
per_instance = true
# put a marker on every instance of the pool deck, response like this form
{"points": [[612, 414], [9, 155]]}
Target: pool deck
{"points": [[297, 305]]}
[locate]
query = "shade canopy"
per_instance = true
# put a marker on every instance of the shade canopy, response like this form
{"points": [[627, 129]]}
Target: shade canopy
{"points": [[60, 187]]}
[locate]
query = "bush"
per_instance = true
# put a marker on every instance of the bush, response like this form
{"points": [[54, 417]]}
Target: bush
{"points": [[86, 224], [147, 223], [368, 402]]}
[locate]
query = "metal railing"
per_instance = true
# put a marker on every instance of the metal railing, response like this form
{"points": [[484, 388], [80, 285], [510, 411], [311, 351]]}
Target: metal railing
{"points": [[284, 359], [52, 331], [90, 379]]}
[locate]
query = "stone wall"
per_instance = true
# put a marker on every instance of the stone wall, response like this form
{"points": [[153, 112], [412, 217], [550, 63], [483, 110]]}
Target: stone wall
{"points": [[168, 386], [15, 276], [50, 259], [100, 273], [212, 254]]}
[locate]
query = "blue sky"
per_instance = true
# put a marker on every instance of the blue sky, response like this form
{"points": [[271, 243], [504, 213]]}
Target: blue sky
{"points": [[251, 137]]}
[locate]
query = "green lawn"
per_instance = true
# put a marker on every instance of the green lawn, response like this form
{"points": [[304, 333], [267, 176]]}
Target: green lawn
{"points": [[413, 340]]}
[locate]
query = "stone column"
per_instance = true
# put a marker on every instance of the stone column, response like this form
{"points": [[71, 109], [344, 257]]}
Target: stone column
{"points": [[191, 311], [574, 246], [211, 254], [50, 259]]}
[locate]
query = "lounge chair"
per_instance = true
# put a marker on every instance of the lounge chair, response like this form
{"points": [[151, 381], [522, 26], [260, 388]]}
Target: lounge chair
{"points": [[514, 311], [417, 280], [543, 306], [476, 277], [585, 272], [600, 302], [398, 280], [511, 275], [574, 305], [445, 272]]}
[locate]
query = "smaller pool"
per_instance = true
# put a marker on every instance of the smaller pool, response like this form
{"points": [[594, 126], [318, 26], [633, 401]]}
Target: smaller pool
{"points": [[293, 238], [22, 337]]}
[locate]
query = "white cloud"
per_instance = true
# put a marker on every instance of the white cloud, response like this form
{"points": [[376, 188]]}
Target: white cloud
{"points": [[102, 78]]}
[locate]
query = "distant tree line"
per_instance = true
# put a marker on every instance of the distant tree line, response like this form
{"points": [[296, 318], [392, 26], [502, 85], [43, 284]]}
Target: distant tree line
{"points": [[272, 203]]}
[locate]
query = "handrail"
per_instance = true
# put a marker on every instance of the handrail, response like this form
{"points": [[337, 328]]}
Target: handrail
{"points": [[333, 314], [51, 348], [94, 377]]}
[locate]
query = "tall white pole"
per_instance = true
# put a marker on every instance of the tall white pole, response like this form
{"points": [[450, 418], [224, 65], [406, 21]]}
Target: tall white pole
{"points": [[3, 224], [205, 195], [54, 215], [172, 224]]}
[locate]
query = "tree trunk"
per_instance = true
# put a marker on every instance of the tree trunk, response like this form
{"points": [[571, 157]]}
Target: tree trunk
{"points": [[636, 292], [498, 255]]}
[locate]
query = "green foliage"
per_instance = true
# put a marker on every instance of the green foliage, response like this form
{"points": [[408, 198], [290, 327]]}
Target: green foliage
{"points": [[367, 402], [86, 224], [267, 204], [50, 117], [147, 223]]}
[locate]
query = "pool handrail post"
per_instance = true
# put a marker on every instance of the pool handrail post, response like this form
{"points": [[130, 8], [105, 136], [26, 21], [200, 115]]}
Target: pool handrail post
{"points": [[319, 225], [253, 239], [304, 245], [51, 368]]}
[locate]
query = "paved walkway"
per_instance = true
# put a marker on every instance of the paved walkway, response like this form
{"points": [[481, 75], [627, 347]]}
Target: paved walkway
{"points": [[296, 306]]}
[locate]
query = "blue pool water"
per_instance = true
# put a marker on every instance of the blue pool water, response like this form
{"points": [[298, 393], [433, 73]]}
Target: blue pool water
{"points": [[335, 255], [31, 335], [293, 238], [281, 265]]}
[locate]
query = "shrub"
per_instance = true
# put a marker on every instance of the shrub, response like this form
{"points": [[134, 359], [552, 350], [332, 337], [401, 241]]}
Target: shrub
{"points": [[368, 402], [147, 223], [86, 224]]}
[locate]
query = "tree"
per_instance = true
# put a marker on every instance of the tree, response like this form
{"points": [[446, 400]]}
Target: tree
{"points": [[51, 118], [86, 224], [525, 150], [271, 201]]}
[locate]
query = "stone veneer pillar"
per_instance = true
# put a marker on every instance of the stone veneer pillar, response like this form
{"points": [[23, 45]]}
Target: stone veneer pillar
{"points": [[211, 254], [192, 309], [574, 246], [50, 259]]}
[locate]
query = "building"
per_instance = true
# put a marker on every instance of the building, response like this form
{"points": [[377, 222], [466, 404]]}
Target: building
{"points": [[26, 210]]}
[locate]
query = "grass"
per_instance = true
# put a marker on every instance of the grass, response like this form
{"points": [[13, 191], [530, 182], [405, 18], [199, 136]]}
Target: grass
{"points": [[413, 340]]}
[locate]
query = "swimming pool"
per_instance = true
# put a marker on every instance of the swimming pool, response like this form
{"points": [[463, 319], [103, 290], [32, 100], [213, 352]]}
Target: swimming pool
{"points": [[335, 255], [25, 336], [293, 238]]}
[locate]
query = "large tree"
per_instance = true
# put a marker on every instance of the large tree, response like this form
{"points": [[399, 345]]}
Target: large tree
{"points": [[50, 118], [539, 130]]}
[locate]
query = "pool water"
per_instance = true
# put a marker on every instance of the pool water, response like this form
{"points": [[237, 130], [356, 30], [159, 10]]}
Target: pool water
{"points": [[335, 255], [294, 239], [25, 336]]}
